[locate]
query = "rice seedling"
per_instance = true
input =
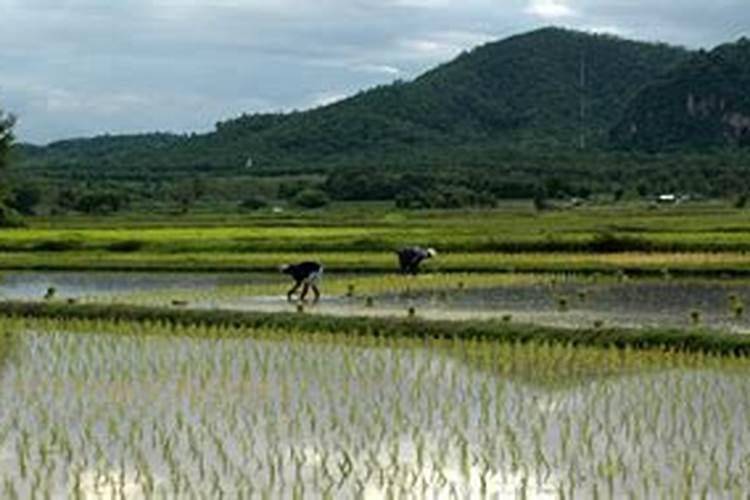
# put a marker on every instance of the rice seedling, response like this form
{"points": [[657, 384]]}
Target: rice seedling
{"points": [[738, 310], [163, 409], [695, 317]]}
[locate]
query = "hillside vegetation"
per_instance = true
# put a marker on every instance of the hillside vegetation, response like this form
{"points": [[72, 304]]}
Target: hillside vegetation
{"points": [[526, 90], [550, 114], [703, 102]]}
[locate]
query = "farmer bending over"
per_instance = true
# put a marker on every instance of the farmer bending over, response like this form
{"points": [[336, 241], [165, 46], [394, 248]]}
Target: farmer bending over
{"points": [[410, 258], [305, 274]]}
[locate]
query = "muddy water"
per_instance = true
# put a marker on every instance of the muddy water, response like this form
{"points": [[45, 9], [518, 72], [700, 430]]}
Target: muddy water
{"points": [[101, 416], [635, 303], [574, 302]]}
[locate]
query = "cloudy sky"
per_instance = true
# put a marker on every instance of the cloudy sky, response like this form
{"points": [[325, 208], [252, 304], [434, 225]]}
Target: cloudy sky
{"points": [[84, 67]]}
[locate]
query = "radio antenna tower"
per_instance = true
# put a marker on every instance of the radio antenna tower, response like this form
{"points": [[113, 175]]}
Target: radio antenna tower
{"points": [[582, 101]]}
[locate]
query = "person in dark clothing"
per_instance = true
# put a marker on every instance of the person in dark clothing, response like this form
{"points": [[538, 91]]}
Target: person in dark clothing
{"points": [[306, 275], [410, 258]]}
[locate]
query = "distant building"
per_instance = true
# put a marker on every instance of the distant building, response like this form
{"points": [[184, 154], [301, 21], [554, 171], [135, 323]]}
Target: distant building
{"points": [[667, 198], [672, 199]]}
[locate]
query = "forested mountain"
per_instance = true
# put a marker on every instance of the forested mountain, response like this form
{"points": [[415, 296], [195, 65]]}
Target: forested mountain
{"points": [[703, 102], [540, 91]]}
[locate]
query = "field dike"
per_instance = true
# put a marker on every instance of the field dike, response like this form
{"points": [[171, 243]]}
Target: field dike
{"points": [[695, 339]]}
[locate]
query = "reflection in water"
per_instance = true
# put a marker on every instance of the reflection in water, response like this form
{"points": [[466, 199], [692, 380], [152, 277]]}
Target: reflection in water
{"points": [[717, 304], [568, 301], [146, 415], [32, 285], [633, 303]]}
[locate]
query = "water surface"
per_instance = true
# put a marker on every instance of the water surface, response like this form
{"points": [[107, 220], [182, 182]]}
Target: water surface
{"points": [[103, 415]]}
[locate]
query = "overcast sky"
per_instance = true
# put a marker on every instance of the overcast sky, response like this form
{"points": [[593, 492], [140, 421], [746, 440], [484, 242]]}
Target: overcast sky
{"points": [[84, 67]]}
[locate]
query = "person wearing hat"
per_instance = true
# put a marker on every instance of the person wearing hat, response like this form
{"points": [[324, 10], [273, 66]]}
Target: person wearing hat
{"points": [[410, 258]]}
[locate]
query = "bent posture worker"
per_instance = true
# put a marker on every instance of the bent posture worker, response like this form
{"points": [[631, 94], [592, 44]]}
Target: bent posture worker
{"points": [[410, 258], [306, 275]]}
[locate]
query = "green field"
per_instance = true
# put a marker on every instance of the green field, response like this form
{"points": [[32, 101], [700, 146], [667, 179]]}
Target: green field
{"points": [[691, 238], [99, 408], [181, 392]]}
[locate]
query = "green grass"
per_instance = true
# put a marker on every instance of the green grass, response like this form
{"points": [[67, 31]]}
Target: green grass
{"points": [[670, 340], [636, 263], [690, 228], [692, 239]]}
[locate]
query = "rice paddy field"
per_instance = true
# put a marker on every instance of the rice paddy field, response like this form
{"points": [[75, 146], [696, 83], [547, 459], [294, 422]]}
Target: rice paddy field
{"points": [[564, 300], [602, 354], [105, 410], [694, 238]]}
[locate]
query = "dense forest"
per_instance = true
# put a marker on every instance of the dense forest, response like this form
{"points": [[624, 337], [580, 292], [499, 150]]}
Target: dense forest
{"points": [[553, 113], [704, 102]]}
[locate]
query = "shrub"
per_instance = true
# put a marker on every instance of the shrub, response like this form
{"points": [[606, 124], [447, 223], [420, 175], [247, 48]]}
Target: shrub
{"points": [[741, 201], [125, 246], [311, 198], [254, 203], [607, 242], [8, 218], [24, 199], [100, 203]]}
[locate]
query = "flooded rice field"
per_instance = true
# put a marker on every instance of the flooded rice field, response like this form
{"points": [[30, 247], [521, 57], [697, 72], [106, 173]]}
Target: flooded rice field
{"points": [[90, 410], [573, 302], [33, 285], [558, 300]]}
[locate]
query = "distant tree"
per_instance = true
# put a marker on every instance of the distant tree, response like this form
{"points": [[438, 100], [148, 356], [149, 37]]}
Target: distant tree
{"points": [[288, 190], [25, 198], [101, 203], [6, 139], [186, 193], [66, 200], [6, 136], [254, 203], [311, 198], [741, 201], [540, 199]]}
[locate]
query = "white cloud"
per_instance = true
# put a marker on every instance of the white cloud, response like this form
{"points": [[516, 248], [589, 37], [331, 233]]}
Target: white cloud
{"points": [[550, 9], [381, 69], [326, 98], [606, 30], [442, 46], [428, 4]]}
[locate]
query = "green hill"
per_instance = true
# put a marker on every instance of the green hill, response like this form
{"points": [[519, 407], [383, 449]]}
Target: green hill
{"points": [[702, 103], [526, 92]]}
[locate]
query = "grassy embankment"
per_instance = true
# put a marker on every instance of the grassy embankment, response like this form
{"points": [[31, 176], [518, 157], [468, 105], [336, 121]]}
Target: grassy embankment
{"points": [[696, 239], [669, 340]]}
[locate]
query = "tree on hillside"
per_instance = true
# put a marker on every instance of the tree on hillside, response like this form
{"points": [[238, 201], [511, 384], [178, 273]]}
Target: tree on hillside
{"points": [[6, 135], [6, 138], [24, 199]]}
